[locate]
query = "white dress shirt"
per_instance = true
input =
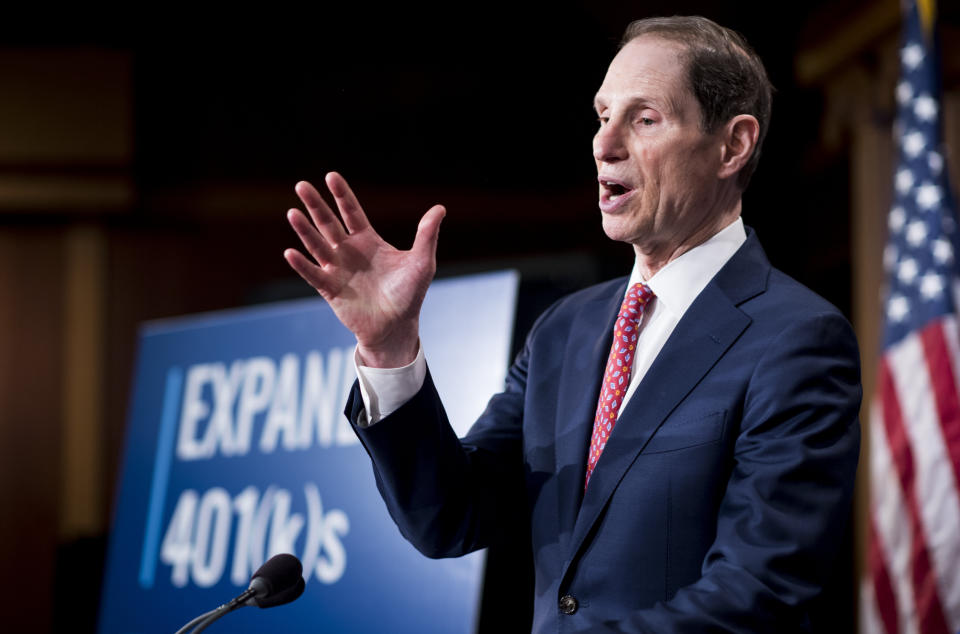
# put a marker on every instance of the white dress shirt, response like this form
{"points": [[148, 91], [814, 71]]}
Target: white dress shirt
{"points": [[675, 286]]}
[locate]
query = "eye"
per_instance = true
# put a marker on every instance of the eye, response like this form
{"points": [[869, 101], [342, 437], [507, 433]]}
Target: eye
{"points": [[602, 119], [646, 121]]}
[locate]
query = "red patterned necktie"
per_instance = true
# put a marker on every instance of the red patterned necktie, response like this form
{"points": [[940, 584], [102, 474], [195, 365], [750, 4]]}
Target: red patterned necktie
{"points": [[616, 378]]}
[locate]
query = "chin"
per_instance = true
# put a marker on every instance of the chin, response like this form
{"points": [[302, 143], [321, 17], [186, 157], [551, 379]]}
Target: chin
{"points": [[618, 230]]}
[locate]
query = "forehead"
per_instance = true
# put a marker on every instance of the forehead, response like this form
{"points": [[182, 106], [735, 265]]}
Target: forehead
{"points": [[647, 68]]}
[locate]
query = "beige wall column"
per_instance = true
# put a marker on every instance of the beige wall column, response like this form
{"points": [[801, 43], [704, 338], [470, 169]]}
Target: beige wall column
{"points": [[84, 295]]}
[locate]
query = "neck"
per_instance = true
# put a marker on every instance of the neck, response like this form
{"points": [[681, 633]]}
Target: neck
{"points": [[651, 259]]}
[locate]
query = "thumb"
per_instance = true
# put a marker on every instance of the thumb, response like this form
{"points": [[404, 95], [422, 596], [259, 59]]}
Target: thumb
{"points": [[425, 244]]}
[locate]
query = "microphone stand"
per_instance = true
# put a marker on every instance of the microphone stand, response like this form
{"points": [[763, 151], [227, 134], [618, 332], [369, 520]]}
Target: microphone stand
{"points": [[186, 628], [207, 618]]}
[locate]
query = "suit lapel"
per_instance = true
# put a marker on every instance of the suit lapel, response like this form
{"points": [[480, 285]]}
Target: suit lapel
{"points": [[579, 387], [706, 331]]}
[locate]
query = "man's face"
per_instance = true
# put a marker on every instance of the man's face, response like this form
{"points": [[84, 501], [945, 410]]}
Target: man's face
{"points": [[657, 169]]}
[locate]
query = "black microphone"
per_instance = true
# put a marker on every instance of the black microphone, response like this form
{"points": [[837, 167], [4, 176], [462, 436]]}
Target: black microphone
{"points": [[279, 574], [276, 582], [284, 596]]}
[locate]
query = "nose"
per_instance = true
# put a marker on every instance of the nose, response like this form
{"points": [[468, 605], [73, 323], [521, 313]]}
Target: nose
{"points": [[608, 143]]}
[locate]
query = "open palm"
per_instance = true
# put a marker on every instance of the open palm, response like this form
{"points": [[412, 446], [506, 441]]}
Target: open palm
{"points": [[375, 289]]}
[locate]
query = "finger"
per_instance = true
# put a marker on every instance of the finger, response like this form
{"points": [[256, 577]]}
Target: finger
{"points": [[326, 221], [350, 209], [310, 272], [428, 232], [310, 237]]}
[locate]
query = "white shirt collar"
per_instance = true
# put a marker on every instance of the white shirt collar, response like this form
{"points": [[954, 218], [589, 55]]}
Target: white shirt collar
{"points": [[678, 283]]}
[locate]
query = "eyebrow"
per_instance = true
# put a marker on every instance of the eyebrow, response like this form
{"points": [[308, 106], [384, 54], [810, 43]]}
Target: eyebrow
{"points": [[639, 99], [668, 105]]}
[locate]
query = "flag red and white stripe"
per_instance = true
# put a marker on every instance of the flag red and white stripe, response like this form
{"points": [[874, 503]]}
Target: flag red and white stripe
{"points": [[914, 551]]}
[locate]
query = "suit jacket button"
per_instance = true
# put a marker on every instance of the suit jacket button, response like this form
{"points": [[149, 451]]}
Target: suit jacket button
{"points": [[568, 604]]}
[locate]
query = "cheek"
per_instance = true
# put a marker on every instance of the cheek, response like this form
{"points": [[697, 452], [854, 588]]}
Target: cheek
{"points": [[652, 162], [647, 156]]}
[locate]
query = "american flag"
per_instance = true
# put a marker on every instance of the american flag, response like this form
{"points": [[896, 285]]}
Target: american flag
{"points": [[912, 581]]}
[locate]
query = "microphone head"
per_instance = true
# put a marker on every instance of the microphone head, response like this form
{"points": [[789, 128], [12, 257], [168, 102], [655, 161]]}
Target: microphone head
{"points": [[278, 574], [284, 596]]}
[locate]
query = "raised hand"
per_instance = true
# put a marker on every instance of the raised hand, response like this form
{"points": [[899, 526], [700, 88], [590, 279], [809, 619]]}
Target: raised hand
{"points": [[374, 289]]}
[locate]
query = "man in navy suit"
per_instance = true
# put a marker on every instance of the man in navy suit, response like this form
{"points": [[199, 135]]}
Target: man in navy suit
{"points": [[722, 491]]}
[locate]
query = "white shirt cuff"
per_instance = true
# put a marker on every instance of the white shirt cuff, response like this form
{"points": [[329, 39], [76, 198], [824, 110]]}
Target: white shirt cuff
{"points": [[385, 390]]}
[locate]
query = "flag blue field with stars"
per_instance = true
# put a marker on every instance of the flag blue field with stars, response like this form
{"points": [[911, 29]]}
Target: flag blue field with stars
{"points": [[919, 256]]}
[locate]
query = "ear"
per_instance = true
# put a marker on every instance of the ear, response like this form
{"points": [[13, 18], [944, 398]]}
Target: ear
{"points": [[740, 136]]}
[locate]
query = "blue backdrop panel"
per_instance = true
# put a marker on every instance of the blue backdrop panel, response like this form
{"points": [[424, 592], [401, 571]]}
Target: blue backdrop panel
{"points": [[237, 449]]}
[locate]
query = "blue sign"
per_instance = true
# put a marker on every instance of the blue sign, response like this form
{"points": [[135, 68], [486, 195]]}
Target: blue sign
{"points": [[237, 449]]}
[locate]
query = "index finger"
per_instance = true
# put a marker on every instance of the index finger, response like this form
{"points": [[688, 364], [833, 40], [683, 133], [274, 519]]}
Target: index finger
{"points": [[350, 209]]}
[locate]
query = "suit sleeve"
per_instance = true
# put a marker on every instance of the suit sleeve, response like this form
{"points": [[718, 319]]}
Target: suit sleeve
{"points": [[449, 497], [787, 502]]}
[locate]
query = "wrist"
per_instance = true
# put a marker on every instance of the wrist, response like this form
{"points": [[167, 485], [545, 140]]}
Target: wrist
{"points": [[396, 352]]}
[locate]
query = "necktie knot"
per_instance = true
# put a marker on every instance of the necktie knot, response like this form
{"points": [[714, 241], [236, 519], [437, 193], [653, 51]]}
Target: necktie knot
{"points": [[638, 296]]}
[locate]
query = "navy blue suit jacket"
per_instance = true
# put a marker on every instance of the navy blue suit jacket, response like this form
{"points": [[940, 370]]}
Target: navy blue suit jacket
{"points": [[721, 497]]}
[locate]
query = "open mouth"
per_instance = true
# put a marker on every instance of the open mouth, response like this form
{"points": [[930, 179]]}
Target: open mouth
{"points": [[615, 190], [612, 194]]}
